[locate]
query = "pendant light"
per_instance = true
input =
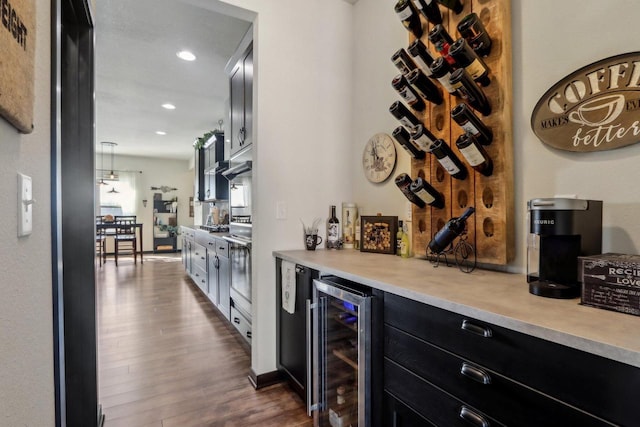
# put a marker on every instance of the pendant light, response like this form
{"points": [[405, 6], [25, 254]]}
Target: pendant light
{"points": [[112, 175], [101, 180]]}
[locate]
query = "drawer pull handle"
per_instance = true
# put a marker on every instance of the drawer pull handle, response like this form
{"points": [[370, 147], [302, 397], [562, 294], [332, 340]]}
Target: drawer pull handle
{"points": [[473, 417], [236, 320], [475, 373], [483, 331]]}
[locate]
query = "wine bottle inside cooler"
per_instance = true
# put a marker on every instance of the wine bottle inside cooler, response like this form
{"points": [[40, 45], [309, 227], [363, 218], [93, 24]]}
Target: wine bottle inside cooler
{"points": [[430, 10], [475, 154], [427, 193], [403, 182], [408, 93], [404, 115], [404, 139], [409, 17], [333, 230], [448, 159], [469, 122], [467, 58]]}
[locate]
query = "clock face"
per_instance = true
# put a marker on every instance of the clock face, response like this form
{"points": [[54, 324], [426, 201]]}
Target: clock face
{"points": [[379, 157]]}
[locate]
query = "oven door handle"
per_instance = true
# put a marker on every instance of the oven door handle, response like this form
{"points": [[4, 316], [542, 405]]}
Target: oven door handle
{"points": [[237, 241]]}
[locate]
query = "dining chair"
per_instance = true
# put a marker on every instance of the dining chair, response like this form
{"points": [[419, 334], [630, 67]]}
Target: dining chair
{"points": [[126, 241], [101, 241]]}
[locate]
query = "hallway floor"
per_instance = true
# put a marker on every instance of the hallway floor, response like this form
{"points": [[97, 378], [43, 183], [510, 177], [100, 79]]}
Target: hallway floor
{"points": [[167, 358]]}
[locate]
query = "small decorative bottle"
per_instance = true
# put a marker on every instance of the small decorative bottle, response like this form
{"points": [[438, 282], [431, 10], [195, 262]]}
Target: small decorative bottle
{"points": [[333, 230], [399, 239]]}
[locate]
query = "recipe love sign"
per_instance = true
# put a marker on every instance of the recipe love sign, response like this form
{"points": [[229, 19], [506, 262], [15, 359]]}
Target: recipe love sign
{"points": [[595, 108], [17, 56]]}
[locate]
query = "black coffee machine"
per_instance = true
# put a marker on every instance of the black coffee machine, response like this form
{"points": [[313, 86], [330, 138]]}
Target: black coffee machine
{"points": [[560, 230]]}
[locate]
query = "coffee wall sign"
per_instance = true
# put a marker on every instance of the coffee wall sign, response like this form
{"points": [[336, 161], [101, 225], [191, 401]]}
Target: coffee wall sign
{"points": [[17, 55], [596, 108]]}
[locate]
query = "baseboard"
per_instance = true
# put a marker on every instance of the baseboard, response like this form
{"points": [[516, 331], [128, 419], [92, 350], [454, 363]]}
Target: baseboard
{"points": [[264, 380]]}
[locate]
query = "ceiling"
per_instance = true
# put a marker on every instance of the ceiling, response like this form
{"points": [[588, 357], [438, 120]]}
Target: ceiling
{"points": [[137, 71]]}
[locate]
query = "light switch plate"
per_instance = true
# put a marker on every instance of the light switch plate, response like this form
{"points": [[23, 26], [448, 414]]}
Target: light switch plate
{"points": [[25, 205]]}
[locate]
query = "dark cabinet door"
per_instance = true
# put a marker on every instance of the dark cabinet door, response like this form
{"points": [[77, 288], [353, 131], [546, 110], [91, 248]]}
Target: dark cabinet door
{"points": [[224, 284], [241, 100], [397, 414], [248, 98]]}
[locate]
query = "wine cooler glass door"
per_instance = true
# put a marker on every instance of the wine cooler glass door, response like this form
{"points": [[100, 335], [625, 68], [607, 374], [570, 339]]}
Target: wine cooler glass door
{"points": [[341, 330]]}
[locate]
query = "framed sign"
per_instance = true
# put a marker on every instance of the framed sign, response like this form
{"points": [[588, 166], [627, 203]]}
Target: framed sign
{"points": [[595, 108], [17, 43]]}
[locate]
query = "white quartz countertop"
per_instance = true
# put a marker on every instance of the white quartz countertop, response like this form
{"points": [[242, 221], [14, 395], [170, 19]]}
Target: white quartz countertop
{"points": [[494, 297]]}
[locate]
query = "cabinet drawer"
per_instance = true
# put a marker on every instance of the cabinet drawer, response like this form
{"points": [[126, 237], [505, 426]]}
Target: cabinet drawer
{"points": [[430, 402], [199, 276], [600, 386], [486, 390], [241, 324], [199, 256], [397, 414], [222, 248]]}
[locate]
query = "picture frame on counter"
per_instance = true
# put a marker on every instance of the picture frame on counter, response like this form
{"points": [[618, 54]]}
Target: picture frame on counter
{"points": [[378, 234]]}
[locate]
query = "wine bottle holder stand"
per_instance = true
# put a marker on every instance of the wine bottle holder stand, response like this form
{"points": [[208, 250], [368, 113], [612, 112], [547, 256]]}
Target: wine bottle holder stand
{"points": [[491, 231], [463, 253]]}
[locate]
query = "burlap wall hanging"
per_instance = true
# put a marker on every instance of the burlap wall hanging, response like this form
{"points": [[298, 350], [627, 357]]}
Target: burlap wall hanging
{"points": [[17, 56]]}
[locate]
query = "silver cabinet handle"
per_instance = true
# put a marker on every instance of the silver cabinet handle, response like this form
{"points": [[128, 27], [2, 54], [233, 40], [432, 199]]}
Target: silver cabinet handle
{"points": [[482, 331], [475, 373], [473, 417], [308, 311]]}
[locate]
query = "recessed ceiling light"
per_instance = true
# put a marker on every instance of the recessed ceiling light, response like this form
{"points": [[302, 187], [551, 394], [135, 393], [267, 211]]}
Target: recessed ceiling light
{"points": [[186, 55], [161, 132], [169, 106]]}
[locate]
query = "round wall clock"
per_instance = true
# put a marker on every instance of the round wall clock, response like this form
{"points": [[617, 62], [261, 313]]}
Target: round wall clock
{"points": [[379, 157]]}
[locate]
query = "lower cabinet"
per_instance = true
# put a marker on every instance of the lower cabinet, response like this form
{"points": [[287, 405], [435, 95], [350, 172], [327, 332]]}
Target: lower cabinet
{"points": [[219, 274], [444, 369]]}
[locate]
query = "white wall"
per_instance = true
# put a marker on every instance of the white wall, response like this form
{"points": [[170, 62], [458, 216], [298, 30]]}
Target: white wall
{"points": [[26, 330]]}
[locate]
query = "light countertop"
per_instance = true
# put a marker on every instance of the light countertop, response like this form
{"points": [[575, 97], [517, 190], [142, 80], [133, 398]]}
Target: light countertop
{"points": [[499, 298]]}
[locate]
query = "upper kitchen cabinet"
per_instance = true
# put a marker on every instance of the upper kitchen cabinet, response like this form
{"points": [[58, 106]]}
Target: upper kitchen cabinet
{"points": [[210, 163], [241, 102]]}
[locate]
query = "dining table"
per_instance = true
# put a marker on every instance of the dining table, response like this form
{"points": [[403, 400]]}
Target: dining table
{"points": [[109, 229]]}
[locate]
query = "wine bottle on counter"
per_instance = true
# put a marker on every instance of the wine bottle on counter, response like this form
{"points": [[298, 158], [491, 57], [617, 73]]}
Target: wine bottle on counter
{"points": [[408, 14], [475, 154], [430, 10], [421, 56], [404, 115], [422, 137], [399, 238], [472, 29], [441, 71], [455, 5], [404, 139], [333, 230], [425, 87], [427, 193], [465, 57], [408, 93], [403, 61], [467, 89], [448, 159], [442, 42], [403, 182], [469, 122]]}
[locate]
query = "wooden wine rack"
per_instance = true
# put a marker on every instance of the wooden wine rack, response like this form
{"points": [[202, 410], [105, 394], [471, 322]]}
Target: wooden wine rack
{"points": [[491, 228]]}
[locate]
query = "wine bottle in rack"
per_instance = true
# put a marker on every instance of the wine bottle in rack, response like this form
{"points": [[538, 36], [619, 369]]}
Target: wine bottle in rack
{"points": [[427, 193], [465, 57], [448, 159], [467, 89], [404, 139], [455, 5], [430, 10], [408, 93], [403, 182], [475, 154], [404, 115], [472, 29], [442, 41], [441, 71], [409, 17], [421, 56], [403, 61], [424, 86], [422, 137], [469, 122]]}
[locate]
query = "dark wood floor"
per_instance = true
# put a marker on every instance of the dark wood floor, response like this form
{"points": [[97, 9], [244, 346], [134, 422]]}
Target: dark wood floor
{"points": [[167, 359]]}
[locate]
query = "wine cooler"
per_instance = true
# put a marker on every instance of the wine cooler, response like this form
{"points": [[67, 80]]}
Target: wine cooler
{"points": [[341, 365]]}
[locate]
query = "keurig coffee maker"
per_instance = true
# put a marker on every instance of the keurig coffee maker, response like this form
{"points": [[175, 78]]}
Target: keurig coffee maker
{"points": [[560, 230]]}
